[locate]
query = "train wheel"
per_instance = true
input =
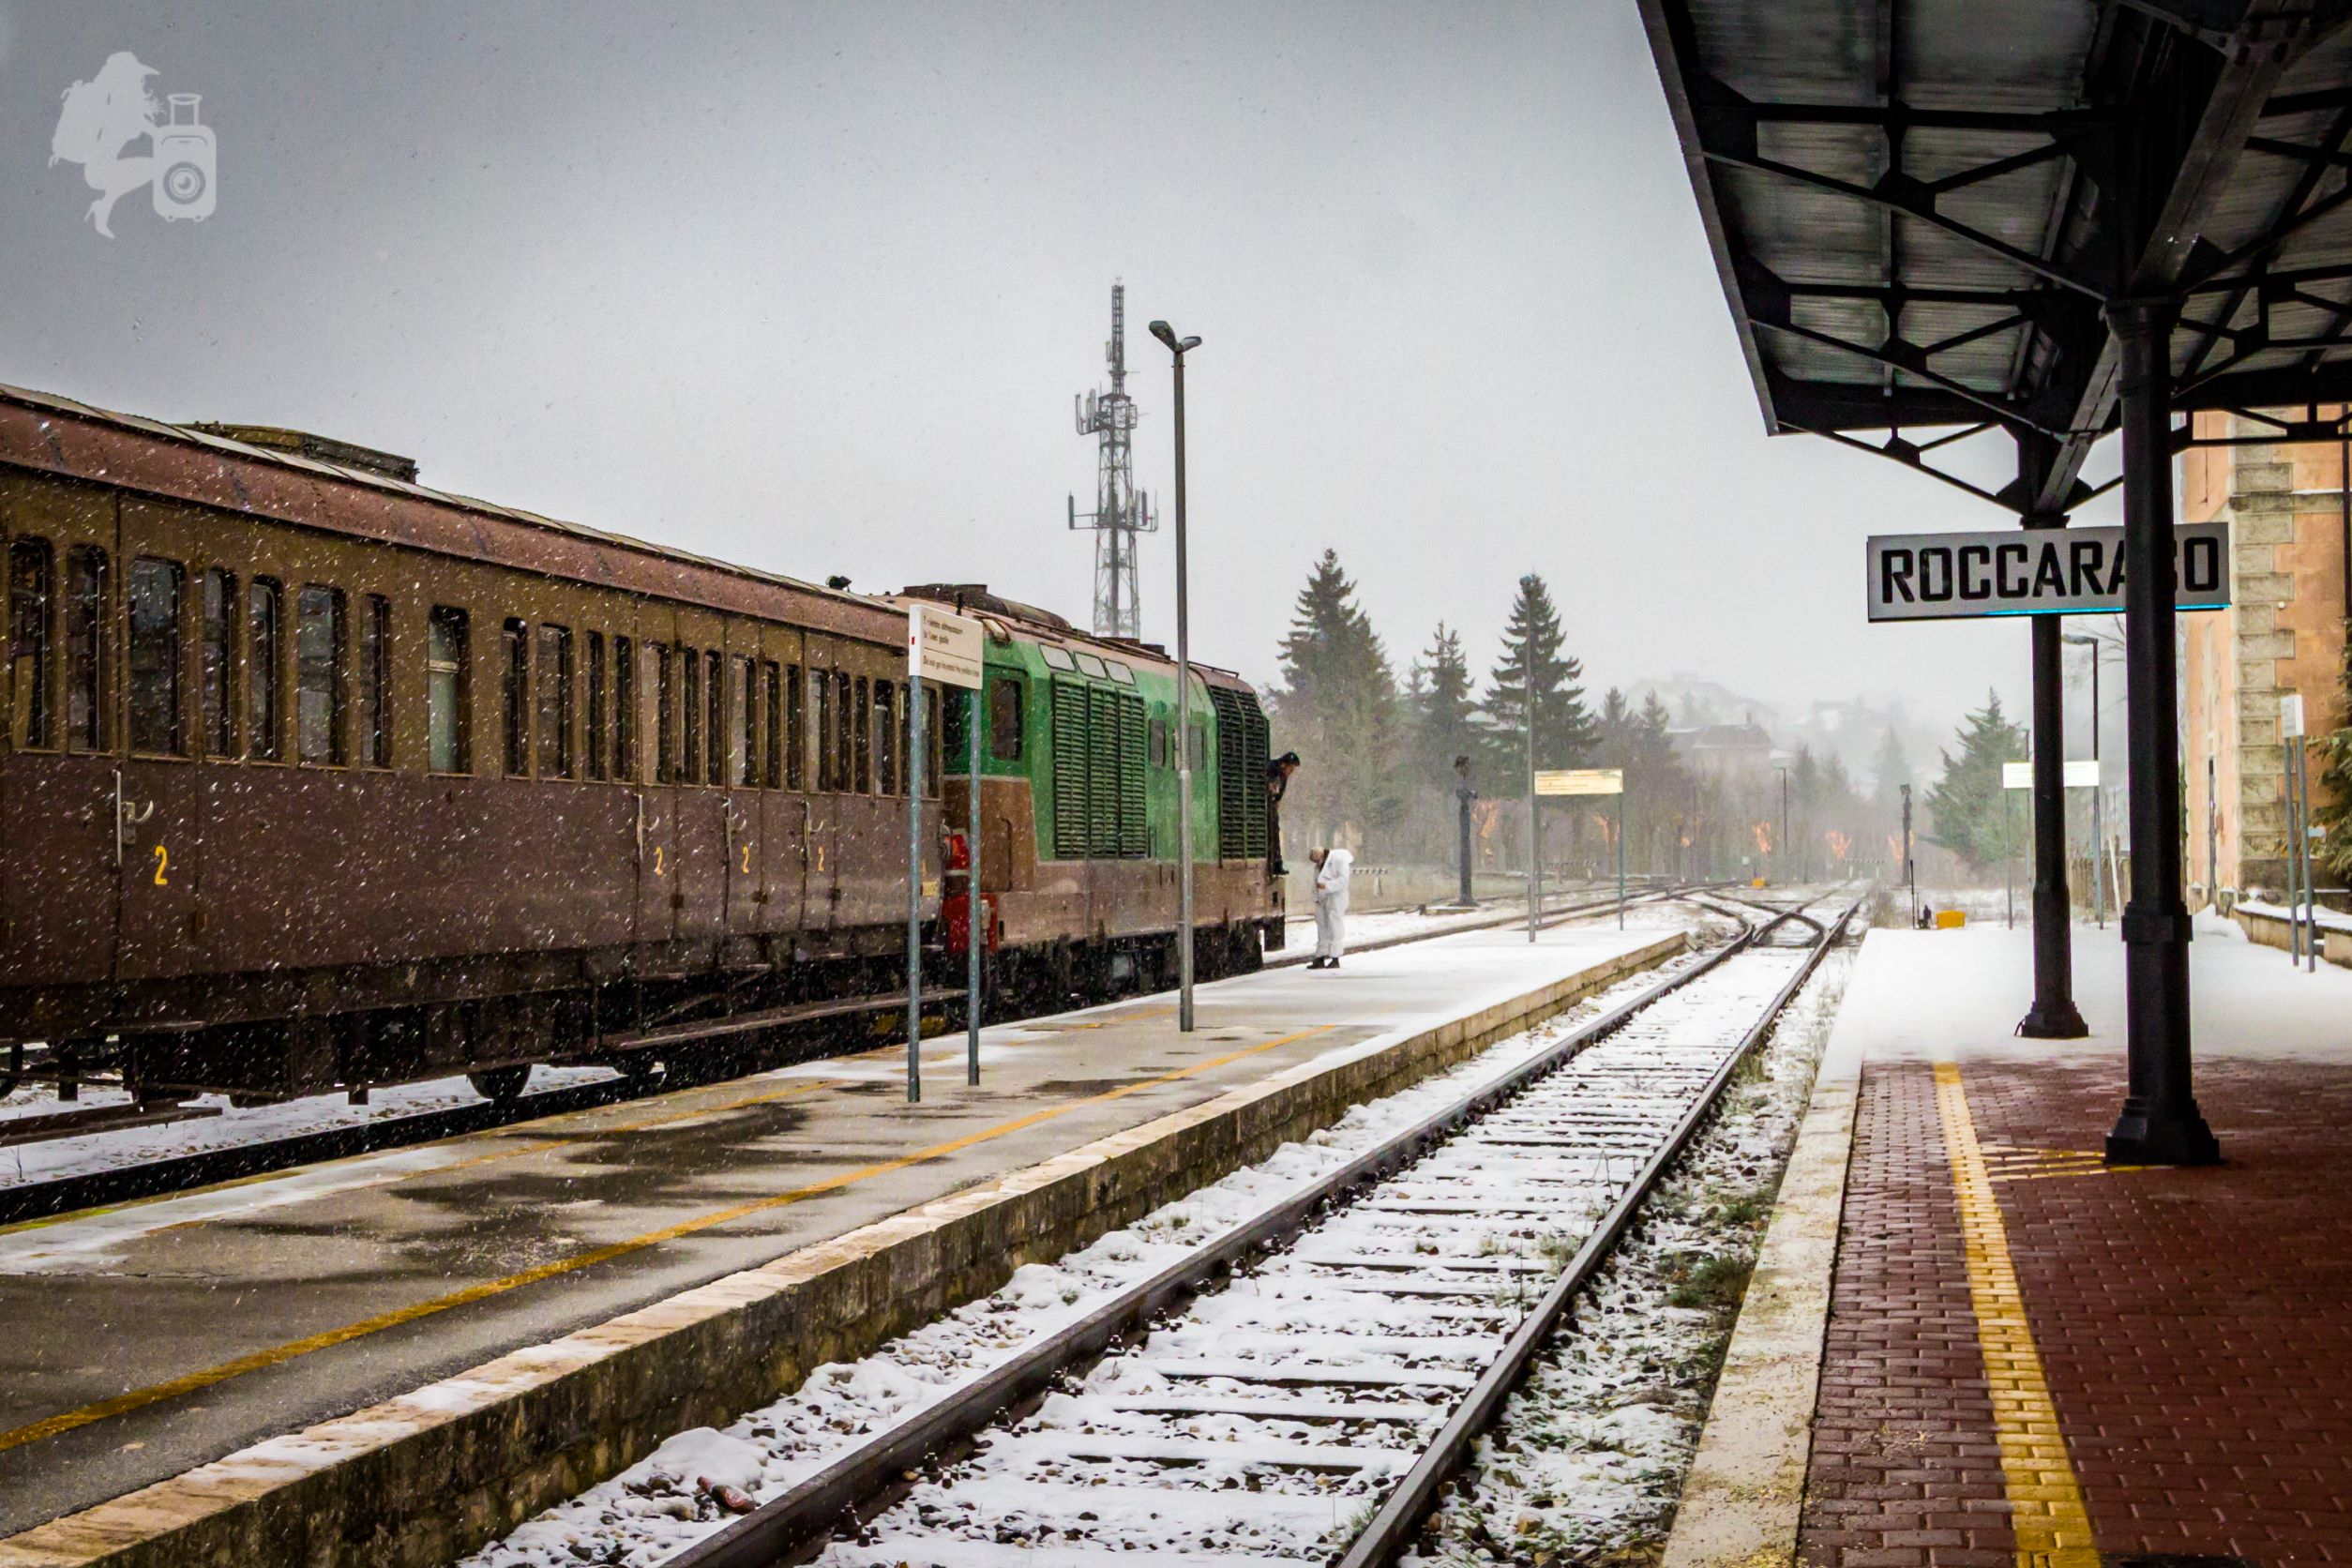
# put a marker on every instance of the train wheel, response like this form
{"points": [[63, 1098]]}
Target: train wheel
{"points": [[501, 1085]]}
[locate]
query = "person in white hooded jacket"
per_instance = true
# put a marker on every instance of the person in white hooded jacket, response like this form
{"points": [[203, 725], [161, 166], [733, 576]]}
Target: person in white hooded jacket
{"points": [[1331, 869]]}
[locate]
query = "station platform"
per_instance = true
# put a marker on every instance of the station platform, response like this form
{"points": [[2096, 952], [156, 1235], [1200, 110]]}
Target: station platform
{"points": [[2025, 1356], [461, 1295]]}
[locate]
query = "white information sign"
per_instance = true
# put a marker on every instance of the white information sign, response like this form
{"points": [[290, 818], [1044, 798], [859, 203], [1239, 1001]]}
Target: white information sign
{"points": [[943, 646], [2036, 571], [2291, 717], [1581, 781], [2082, 773]]}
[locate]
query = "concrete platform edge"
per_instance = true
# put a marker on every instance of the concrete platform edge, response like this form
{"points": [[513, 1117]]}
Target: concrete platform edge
{"points": [[427, 1477], [1745, 1495]]}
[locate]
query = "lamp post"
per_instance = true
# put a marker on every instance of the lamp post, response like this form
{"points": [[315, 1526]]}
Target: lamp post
{"points": [[1178, 347], [1463, 796], [1783, 856], [1911, 872], [2098, 792]]}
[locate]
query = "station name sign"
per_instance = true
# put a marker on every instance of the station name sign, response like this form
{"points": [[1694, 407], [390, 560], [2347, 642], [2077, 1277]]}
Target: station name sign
{"points": [[2037, 571]]}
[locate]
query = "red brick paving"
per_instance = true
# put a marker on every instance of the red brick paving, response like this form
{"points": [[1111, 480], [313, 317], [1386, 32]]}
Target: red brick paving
{"points": [[2195, 1327]]}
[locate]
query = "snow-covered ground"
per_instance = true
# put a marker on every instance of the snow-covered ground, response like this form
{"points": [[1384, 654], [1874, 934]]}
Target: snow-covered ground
{"points": [[1588, 1460], [53, 1158], [692, 1484]]}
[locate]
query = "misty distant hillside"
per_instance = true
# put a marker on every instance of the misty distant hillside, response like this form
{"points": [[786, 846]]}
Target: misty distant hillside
{"points": [[1850, 729]]}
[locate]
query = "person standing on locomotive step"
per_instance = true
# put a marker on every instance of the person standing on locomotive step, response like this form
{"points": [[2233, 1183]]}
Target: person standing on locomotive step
{"points": [[1279, 774], [1331, 869]]}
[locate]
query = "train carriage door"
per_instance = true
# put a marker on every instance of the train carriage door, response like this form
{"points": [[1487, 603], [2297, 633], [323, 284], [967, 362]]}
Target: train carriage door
{"points": [[656, 652], [743, 706], [57, 840], [145, 603], [828, 732]]}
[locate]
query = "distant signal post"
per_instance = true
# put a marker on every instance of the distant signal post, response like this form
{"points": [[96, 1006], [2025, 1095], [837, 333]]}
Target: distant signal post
{"points": [[944, 648], [1593, 781]]}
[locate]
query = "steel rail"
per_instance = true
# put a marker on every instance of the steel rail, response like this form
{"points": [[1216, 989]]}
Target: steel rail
{"points": [[816, 1505], [1399, 1519]]}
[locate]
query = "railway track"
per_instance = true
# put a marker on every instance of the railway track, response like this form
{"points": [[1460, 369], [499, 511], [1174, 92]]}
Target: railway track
{"points": [[1303, 1386], [42, 1199]]}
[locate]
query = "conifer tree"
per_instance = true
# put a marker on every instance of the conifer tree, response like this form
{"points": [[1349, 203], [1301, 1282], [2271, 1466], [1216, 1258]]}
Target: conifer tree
{"points": [[1566, 733], [1339, 711], [1969, 807], [1891, 770], [1446, 714]]}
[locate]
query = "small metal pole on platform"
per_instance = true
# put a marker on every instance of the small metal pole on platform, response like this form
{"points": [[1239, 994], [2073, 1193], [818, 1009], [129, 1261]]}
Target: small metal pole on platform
{"points": [[2098, 794], [1621, 860], [2302, 855], [2294, 864], [1534, 829], [1911, 872], [975, 913], [1463, 796], [915, 880], [2009, 865]]}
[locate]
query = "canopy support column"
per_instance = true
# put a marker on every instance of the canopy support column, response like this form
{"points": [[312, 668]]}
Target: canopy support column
{"points": [[2052, 1015], [2160, 1124]]}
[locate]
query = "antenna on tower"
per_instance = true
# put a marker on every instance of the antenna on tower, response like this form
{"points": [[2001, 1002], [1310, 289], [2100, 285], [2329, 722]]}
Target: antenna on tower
{"points": [[1121, 512]]}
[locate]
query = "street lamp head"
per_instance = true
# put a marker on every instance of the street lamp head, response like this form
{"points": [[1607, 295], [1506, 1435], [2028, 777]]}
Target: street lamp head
{"points": [[1167, 334]]}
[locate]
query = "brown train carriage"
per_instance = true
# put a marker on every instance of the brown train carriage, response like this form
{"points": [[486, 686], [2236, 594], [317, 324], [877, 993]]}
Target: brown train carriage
{"points": [[313, 777]]}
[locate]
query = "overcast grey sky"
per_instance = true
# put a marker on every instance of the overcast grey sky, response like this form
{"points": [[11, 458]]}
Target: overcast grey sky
{"points": [[810, 287]]}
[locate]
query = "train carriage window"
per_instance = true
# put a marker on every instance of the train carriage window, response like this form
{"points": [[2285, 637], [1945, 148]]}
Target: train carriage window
{"points": [[773, 684], [375, 682], [517, 679], [218, 663], [844, 733], [86, 620], [795, 746], [931, 762], [32, 569], [449, 691], [555, 702], [265, 608], [623, 708], [322, 674], [154, 658], [715, 732], [665, 716], [1005, 720], [953, 741], [745, 769], [690, 757], [862, 753], [886, 739], [821, 686], [594, 728]]}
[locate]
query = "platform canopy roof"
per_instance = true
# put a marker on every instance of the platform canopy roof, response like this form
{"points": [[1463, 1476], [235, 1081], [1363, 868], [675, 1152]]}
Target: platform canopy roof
{"points": [[1921, 209]]}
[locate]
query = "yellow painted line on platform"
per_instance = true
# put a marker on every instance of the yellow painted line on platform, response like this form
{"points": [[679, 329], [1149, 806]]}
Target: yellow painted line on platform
{"points": [[122, 1404], [535, 1147], [2052, 1525]]}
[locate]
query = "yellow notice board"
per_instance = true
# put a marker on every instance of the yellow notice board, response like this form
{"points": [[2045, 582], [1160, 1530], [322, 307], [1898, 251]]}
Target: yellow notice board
{"points": [[1581, 781]]}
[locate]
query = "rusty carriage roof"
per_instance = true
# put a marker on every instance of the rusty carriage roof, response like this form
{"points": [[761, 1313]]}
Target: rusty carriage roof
{"points": [[44, 433], [1920, 210]]}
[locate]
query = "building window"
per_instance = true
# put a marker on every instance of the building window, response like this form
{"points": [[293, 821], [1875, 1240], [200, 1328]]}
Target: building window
{"points": [[862, 743], [555, 702], [665, 716], [32, 568], [217, 666], [885, 740], [154, 658], [265, 608], [449, 691], [623, 708], [1005, 720], [87, 617], [795, 764], [772, 682], [595, 732], [690, 757], [715, 677], [518, 699], [375, 682], [322, 674]]}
